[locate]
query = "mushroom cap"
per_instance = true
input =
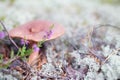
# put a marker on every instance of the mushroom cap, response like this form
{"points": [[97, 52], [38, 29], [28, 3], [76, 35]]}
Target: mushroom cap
{"points": [[36, 30]]}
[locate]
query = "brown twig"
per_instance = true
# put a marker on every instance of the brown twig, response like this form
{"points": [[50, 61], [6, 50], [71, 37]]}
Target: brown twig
{"points": [[9, 35], [9, 61], [89, 37], [114, 52], [107, 25]]}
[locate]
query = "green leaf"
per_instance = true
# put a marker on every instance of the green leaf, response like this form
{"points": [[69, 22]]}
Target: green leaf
{"points": [[40, 43], [19, 51], [11, 54], [1, 57], [28, 52], [23, 51]]}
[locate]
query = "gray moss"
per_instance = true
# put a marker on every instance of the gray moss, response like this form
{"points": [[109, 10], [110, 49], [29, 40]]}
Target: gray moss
{"points": [[78, 18]]}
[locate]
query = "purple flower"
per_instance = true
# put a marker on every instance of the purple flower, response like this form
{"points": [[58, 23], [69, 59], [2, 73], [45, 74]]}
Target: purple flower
{"points": [[23, 41], [35, 48], [2, 34], [48, 34]]}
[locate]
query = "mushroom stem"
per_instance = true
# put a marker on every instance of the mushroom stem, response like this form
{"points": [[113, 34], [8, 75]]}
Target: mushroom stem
{"points": [[33, 56]]}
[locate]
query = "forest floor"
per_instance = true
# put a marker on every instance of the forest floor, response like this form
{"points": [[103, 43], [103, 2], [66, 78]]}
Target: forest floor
{"points": [[89, 49]]}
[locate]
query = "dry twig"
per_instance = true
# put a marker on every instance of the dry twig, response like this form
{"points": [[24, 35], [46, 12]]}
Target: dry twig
{"points": [[113, 53], [9, 35]]}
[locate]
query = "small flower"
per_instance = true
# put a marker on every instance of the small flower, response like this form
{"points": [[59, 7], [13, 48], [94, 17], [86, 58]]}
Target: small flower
{"points": [[48, 34], [44, 37], [2, 34], [23, 41], [35, 48]]}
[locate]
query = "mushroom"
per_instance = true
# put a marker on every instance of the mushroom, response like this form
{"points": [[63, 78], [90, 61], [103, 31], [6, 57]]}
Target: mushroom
{"points": [[37, 31]]}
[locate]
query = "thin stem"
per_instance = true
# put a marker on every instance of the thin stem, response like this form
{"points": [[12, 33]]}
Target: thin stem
{"points": [[114, 52], [9, 35], [107, 25]]}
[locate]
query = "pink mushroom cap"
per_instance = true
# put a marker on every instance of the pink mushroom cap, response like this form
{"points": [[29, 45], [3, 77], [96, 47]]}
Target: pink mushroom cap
{"points": [[36, 30]]}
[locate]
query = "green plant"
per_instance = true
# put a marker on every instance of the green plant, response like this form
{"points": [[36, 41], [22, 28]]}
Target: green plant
{"points": [[22, 52], [12, 54], [0, 28], [2, 18], [111, 1], [1, 57], [3, 64]]}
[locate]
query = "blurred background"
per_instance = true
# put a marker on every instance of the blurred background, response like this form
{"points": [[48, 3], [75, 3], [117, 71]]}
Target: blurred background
{"points": [[78, 17], [70, 13]]}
